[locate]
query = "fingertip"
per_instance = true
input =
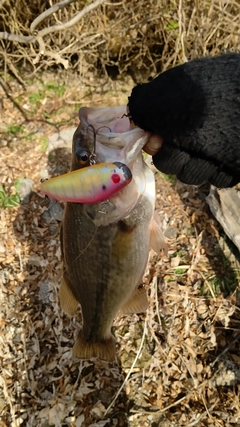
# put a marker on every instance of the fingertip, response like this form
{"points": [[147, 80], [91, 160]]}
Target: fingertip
{"points": [[153, 145]]}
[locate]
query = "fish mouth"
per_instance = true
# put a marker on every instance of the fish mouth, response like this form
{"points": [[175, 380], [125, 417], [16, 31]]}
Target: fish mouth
{"points": [[109, 124]]}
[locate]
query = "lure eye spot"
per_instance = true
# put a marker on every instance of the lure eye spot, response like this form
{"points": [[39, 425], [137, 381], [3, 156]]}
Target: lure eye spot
{"points": [[115, 178], [104, 187]]}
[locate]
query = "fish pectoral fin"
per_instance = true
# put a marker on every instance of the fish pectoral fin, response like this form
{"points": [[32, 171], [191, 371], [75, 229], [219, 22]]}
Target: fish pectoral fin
{"points": [[137, 303], [104, 349], [157, 239], [67, 299]]}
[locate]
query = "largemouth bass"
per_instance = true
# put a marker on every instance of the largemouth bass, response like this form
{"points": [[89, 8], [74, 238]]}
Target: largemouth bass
{"points": [[105, 246]]}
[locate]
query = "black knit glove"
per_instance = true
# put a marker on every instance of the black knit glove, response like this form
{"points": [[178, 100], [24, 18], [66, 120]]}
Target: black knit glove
{"points": [[195, 108]]}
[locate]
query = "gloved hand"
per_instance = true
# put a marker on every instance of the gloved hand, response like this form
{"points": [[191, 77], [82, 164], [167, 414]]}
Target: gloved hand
{"points": [[193, 113]]}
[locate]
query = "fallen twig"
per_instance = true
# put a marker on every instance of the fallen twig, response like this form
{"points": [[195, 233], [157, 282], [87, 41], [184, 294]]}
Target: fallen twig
{"points": [[237, 338], [131, 369], [13, 100]]}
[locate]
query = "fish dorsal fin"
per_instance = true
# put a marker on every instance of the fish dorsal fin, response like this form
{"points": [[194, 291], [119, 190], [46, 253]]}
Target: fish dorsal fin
{"points": [[157, 240]]}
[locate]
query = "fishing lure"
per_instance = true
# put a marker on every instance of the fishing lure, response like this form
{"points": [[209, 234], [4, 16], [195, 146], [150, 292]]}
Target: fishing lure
{"points": [[92, 184]]}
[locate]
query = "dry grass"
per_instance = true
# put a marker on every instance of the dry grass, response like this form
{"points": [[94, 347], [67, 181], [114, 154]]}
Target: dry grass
{"points": [[138, 37], [178, 364]]}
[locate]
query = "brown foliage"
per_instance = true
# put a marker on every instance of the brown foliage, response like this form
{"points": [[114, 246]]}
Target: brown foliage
{"points": [[133, 36]]}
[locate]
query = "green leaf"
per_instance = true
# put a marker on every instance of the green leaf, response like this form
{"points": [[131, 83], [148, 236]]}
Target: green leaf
{"points": [[13, 129], [172, 25]]}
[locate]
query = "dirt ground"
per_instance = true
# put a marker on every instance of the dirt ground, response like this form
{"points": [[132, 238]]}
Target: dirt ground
{"points": [[178, 364]]}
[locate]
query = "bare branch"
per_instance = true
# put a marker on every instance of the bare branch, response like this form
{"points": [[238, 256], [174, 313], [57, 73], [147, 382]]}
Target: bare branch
{"points": [[17, 38], [116, 34], [49, 12], [14, 71], [31, 39], [56, 56], [13, 100], [41, 51], [72, 21]]}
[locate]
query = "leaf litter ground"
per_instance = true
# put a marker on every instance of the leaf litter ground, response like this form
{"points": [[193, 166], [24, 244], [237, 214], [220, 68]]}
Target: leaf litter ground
{"points": [[178, 364]]}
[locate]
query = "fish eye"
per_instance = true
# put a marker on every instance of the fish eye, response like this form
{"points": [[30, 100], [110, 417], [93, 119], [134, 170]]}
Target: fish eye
{"points": [[82, 156]]}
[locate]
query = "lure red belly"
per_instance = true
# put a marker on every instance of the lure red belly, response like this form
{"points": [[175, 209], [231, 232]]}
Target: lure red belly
{"points": [[92, 184]]}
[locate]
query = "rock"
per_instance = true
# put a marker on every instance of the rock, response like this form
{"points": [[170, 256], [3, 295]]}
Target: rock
{"points": [[225, 206], [171, 232], [44, 289], [61, 139], [54, 212], [25, 190]]}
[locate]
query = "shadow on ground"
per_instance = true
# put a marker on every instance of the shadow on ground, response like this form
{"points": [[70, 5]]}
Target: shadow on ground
{"points": [[222, 254], [54, 388], [224, 261]]}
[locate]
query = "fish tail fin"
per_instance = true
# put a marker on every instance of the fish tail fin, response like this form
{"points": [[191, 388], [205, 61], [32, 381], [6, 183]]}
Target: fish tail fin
{"points": [[137, 303], [104, 349], [67, 299], [157, 239]]}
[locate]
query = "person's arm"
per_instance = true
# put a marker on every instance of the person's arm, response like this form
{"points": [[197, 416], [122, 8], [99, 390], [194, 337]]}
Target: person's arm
{"points": [[193, 114]]}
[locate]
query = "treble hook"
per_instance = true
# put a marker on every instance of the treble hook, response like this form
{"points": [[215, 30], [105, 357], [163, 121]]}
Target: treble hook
{"points": [[93, 155], [110, 130]]}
